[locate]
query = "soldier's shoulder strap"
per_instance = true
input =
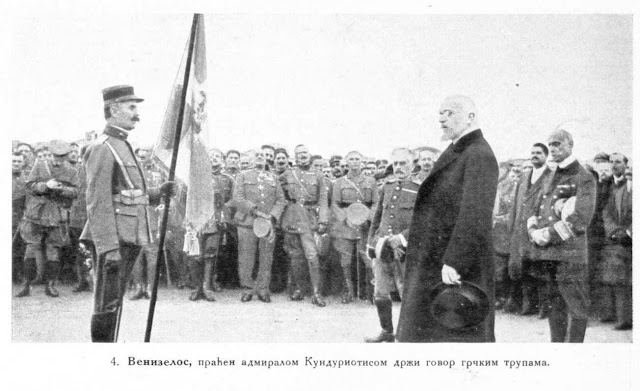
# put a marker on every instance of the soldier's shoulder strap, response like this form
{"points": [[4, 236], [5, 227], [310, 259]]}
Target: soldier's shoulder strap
{"points": [[120, 163], [101, 138], [227, 175]]}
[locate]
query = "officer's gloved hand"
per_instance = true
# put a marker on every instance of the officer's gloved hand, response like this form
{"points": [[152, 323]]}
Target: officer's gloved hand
{"points": [[394, 242], [168, 189], [450, 275], [541, 237], [53, 184], [111, 260], [322, 228], [532, 223]]}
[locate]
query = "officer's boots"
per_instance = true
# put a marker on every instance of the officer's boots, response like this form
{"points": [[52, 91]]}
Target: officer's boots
{"points": [[316, 299], [577, 330], [26, 289], [103, 326], [29, 275], [51, 274], [214, 276], [139, 292], [529, 298], [207, 293], [347, 295], [384, 307], [197, 270], [558, 324], [183, 269], [544, 303], [623, 308], [83, 284], [296, 278], [608, 304]]}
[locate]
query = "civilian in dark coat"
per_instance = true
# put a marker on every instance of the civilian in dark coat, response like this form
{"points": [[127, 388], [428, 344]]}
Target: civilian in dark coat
{"points": [[527, 203], [601, 170], [450, 236], [616, 270]]}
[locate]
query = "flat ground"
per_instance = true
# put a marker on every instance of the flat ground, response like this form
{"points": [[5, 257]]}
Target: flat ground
{"points": [[38, 318]]}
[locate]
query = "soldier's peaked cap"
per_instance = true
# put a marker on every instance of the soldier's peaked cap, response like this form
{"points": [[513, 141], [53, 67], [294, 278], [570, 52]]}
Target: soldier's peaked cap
{"points": [[59, 147], [120, 93]]}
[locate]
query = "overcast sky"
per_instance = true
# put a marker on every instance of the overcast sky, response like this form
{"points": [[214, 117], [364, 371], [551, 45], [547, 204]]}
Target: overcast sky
{"points": [[336, 82]]}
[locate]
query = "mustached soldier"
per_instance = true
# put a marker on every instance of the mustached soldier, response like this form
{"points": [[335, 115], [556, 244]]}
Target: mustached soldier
{"points": [[259, 199], [117, 199], [306, 214], [348, 190], [388, 237]]}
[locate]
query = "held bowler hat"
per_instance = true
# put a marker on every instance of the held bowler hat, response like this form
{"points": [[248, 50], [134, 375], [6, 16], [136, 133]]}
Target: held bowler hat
{"points": [[121, 93], [459, 307], [59, 147]]}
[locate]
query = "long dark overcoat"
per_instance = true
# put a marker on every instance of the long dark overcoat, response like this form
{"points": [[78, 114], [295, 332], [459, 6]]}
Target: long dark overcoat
{"points": [[451, 225]]}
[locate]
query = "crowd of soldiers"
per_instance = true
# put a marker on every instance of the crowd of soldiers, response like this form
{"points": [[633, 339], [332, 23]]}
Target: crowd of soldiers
{"points": [[308, 226]]}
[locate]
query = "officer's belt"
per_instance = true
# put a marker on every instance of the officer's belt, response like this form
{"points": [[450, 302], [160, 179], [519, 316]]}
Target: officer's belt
{"points": [[346, 204], [305, 203], [131, 197]]}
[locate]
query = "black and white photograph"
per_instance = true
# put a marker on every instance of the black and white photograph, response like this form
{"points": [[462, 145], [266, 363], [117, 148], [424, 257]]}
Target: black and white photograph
{"points": [[288, 191]]}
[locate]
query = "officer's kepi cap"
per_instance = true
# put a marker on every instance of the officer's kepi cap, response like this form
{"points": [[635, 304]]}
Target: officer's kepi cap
{"points": [[601, 156], [121, 93], [59, 147]]}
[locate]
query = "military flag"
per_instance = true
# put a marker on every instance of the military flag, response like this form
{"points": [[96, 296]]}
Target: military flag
{"points": [[193, 167], [181, 148]]}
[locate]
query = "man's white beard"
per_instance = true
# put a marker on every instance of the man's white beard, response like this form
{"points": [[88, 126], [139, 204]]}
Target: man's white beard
{"points": [[449, 134]]}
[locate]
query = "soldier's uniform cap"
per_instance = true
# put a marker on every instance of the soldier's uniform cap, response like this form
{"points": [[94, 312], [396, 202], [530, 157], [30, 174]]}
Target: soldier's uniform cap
{"points": [[357, 213], [144, 148], [601, 156], [261, 227], [335, 158], [59, 147], [121, 93], [281, 150]]}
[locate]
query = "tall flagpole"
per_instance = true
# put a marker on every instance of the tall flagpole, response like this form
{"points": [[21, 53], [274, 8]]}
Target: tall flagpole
{"points": [[172, 169]]}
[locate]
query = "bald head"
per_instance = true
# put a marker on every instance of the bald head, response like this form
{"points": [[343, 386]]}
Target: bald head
{"points": [[560, 144]]}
